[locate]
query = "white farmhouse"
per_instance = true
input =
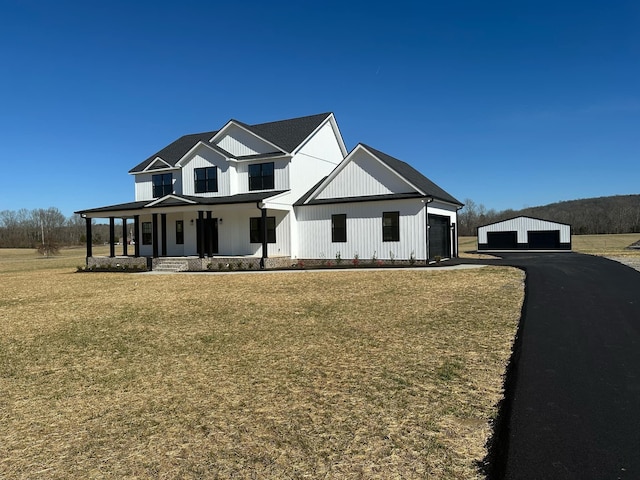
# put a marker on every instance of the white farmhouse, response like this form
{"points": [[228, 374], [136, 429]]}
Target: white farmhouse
{"points": [[277, 192]]}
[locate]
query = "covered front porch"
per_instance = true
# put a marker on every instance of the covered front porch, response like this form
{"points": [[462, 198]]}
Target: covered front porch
{"points": [[202, 234]]}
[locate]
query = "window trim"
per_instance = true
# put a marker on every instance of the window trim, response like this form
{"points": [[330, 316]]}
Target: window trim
{"points": [[339, 232], [255, 230], [163, 186], [266, 182], [206, 180], [147, 236], [391, 231]]}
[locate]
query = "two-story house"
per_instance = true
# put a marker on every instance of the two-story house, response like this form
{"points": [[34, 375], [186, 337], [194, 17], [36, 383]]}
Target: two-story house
{"points": [[283, 190]]}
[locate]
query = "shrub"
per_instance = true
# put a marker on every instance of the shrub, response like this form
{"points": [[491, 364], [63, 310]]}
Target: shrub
{"points": [[338, 258]]}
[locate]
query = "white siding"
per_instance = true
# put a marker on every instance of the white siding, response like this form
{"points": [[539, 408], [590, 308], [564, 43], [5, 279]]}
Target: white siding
{"points": [[281, 175], [144, 188], [364, 230], [363, 176], [239, 142], [233, 233], [205, 157], [522, 225]]}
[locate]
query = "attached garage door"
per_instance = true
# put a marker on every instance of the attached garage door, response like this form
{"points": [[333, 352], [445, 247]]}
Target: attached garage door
{"points": [[439, 237], [544, 240], [502, 240]]}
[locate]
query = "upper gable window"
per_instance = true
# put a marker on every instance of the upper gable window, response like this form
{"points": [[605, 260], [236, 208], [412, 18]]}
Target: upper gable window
{"points": [[162, 184], [261, 176], [206, 179]]}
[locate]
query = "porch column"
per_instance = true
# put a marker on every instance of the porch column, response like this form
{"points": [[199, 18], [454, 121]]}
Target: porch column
{"points": [[89, 239], [125, 238], [154, 240], [200, 233], [112, 237], [265, 253], [136, 235], [209, 235], [163, 230]]}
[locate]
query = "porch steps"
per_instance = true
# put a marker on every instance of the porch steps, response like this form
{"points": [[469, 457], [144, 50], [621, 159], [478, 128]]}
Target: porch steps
{"points": [[170, 265]]}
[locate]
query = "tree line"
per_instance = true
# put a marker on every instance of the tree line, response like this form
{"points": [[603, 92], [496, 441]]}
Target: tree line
{"points": [[47, 229], [602, 215]]}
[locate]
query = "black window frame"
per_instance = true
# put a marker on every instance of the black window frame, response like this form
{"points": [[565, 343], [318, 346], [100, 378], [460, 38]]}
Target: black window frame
{"points": [[147, 233], [259, 176], [162, 184], [179, 232], [339, 227], [390, 226], [209, 182], [255, 230]]}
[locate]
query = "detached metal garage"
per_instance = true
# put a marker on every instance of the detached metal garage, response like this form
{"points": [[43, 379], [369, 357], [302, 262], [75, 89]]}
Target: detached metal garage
{"points": [[524, 233]]}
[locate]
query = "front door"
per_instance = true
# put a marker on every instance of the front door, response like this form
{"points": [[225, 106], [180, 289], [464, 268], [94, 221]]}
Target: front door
{"points": [[209, 227]]}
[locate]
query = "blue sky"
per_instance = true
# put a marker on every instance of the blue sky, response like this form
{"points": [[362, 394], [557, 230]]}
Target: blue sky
{"points": [[509, 103]]}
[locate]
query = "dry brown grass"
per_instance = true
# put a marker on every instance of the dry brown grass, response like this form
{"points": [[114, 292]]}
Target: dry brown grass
{"points": [[352, 374], [606, 245]]}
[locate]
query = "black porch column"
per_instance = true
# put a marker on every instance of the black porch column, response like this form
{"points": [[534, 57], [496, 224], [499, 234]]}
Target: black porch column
{"points": [[125, 238], [154, 240], [136, 235], [200, 233], [89, 239], [112, 237], [163, 230], [265, 253], [209, 235]]}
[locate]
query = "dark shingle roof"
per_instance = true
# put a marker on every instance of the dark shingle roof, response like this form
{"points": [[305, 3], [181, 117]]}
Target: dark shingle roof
{"points": [[411, 174], [251, 197], [405, 170], [286, 134]]}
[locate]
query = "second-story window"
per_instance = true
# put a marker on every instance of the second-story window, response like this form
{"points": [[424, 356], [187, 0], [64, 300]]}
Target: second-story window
{"points": [[206, 179], [261, 176], [162, 184]]}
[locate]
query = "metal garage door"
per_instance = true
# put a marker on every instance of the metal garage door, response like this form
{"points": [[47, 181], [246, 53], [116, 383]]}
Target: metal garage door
{"points": [[544, 240], [439, 245], [502, 240]]}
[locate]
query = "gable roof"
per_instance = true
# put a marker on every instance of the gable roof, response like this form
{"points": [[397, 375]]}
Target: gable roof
{"points": [[402, 169], [414, 176], [286, 134]]}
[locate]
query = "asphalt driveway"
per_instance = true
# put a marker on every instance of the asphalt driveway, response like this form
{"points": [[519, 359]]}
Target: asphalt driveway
{"points": [[572, 408]]}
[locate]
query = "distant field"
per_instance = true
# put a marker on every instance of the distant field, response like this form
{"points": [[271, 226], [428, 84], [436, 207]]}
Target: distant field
{"points": [[607, 245], [352, 374]]}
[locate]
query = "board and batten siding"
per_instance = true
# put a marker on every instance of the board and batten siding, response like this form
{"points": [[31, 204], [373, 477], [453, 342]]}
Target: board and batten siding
{"points": [[523, 225], [233, 233], [354, 180], [144, 185], [364, 231], [205, 157], [240, 143]]}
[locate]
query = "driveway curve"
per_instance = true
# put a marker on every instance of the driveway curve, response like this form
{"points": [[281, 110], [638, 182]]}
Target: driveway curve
{"points": [[572, 400]]}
